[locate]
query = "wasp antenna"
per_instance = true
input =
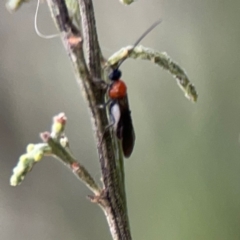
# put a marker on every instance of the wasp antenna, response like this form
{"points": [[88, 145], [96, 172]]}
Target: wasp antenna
{"points": [[146, 33], [36, 27], [140, 39]]}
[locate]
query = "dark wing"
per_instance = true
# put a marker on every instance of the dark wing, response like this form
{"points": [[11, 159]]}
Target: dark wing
{"points": [[125, 131]]}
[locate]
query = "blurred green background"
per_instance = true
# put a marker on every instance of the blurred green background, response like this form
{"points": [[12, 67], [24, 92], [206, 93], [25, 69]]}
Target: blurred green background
{"points": [[183, 180]]}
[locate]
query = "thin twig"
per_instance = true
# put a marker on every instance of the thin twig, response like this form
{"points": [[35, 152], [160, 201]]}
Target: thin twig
{"points": [[78, 169], [54, 144], [160, 59]]}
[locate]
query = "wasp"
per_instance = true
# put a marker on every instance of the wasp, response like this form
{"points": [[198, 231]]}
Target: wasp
{"points": [[119, 110]]}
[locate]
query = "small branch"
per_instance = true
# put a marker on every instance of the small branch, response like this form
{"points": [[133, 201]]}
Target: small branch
{"points": [[162, 60], [79, 170], [56, 145]]}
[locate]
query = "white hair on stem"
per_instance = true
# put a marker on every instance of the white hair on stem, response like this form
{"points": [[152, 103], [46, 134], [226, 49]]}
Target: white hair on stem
{"points": [[36, 26]]}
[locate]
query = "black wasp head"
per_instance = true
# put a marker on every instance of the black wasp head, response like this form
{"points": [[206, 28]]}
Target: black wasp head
{"points": [[115, 74]]}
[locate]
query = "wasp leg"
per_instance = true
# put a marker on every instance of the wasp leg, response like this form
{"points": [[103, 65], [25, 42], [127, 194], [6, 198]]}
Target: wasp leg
{"points": [[111, 124], [104, 86], [104, 105]]}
